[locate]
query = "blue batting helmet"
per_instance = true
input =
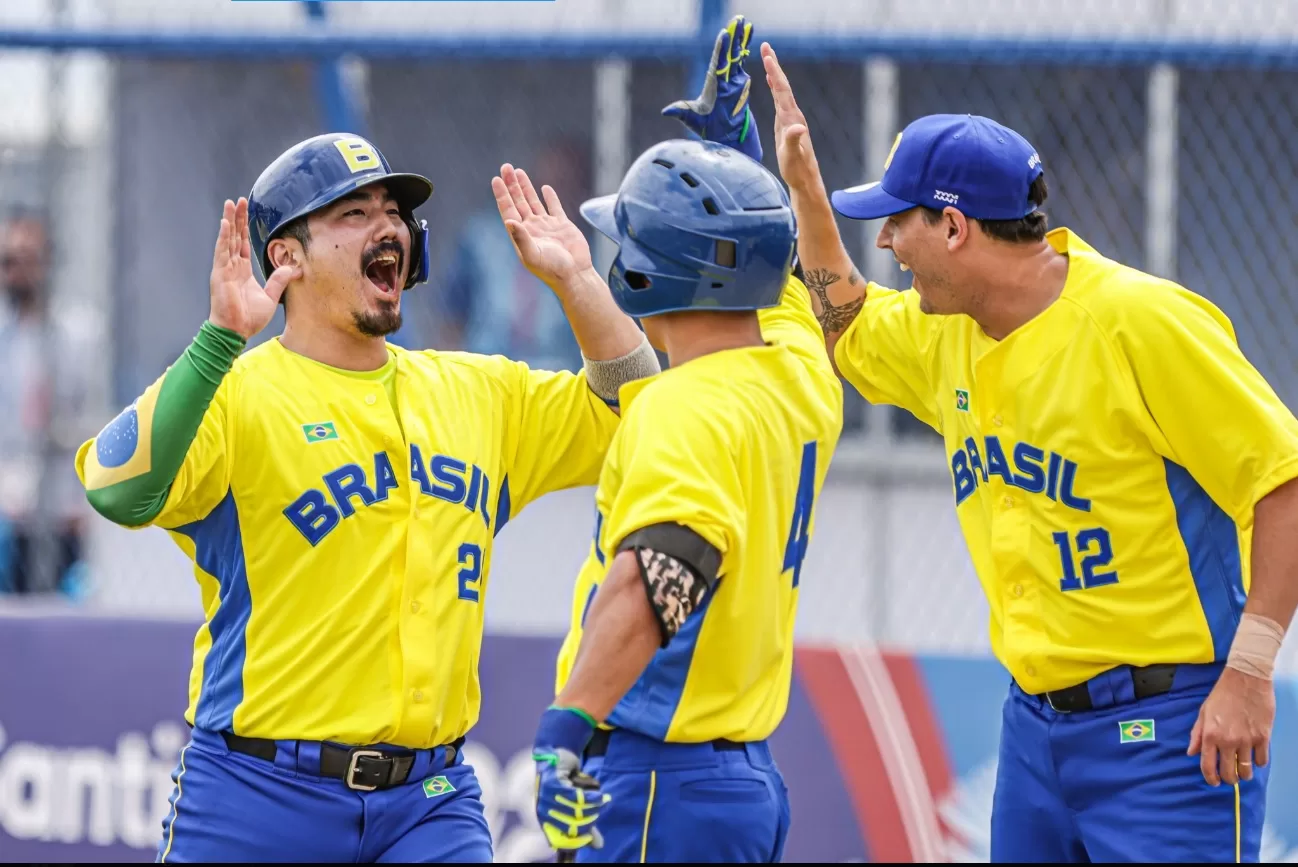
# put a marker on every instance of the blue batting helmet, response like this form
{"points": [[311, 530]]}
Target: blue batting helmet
{"points": [[699, 226], [318, 172]]}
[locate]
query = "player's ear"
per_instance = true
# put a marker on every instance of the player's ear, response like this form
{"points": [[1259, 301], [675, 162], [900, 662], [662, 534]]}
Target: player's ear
{"points": [[284, 251], [957, 228]]}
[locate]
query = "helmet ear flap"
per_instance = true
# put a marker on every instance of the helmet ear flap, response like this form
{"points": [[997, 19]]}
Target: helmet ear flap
{"points": [[420, 255]]}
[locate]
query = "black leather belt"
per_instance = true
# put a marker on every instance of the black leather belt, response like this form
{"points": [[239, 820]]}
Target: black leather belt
{"points": [[1149, 681], [598, 745], [360, 768]]}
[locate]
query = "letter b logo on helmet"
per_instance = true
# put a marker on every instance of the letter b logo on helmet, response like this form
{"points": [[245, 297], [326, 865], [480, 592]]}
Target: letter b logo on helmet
{"points": [[359, 155], [699, 226], [314, 174]]}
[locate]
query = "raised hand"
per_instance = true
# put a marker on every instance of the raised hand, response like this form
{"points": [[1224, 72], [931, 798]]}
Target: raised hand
{"points": [[793, 149], [548, 243], [239, 302], [721, 113]]}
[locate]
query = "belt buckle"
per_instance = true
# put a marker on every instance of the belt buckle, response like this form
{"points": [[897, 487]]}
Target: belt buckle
{"points": [[357, 755], [1050, 701]]}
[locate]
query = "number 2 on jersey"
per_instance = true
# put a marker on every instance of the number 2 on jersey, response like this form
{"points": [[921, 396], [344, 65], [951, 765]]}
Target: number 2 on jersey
{"points": [[1096, 538], [799, 532], [471, 570]]}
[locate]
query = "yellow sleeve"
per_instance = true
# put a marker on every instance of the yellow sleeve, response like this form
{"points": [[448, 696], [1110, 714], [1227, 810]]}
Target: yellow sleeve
{"points": [[128, 469], [1214, 413], [677, 466], [793, 324], [562, 433], [886, 351]]}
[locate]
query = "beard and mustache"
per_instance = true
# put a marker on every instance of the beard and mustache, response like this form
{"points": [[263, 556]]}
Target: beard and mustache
{"points": [[386, 318]]}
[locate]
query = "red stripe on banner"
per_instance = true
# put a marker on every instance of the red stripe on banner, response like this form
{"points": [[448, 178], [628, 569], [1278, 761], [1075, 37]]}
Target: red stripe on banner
{"points": [[856, 747], [908, 680]]}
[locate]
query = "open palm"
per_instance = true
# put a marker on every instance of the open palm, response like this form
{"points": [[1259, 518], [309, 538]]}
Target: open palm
{"points": [[548, 243], [239, 302], [793, 149]]}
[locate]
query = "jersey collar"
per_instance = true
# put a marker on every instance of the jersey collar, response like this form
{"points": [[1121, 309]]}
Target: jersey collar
{"points": [[1066, 241]]}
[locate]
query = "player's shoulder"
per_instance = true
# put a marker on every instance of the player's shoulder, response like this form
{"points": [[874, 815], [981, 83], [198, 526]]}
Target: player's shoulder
{"points": [[1121, 299], [470, 367], [685, 400], [261, 362]]}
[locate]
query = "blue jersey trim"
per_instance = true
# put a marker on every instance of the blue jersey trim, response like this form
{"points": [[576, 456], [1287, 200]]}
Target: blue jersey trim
{"points": [[1212, 543], [218, 551]]}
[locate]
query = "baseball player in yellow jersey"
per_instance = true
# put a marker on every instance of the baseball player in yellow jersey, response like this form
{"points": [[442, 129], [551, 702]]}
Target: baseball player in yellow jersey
{"points": [[339, 497], [1123, 476], [678, 662]]}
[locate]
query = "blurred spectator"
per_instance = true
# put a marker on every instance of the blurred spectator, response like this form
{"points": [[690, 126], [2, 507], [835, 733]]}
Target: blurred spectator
{"points": [[490, 303], [46, 376]]}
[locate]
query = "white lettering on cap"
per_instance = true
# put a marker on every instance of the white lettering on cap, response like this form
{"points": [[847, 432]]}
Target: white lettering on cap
{"points": [[1034, 161]]}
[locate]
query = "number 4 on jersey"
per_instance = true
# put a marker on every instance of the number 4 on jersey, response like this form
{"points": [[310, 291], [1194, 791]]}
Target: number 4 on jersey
{"points": [[799, 532]]}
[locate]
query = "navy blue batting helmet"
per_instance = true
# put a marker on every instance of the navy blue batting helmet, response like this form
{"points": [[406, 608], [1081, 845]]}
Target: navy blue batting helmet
{"points": [[318, 172], [699, 226]]}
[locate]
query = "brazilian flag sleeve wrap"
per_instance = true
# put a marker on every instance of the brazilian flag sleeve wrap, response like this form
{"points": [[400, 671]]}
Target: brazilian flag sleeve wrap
{"points": [[164, 459]]}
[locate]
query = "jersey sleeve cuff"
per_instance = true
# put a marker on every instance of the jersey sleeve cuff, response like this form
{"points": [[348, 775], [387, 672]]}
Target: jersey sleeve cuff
{"points": [[1286, 471]]}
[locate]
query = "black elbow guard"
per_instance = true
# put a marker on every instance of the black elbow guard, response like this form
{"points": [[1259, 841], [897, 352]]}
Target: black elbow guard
{"points": [[678, 567]]}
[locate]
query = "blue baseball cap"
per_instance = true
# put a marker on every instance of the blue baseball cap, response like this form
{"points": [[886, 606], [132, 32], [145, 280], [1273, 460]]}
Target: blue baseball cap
{"points": [[963, 161]]}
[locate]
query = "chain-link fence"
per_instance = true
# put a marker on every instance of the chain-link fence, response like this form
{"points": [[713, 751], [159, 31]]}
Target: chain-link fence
{"points": [[1166, 128]]}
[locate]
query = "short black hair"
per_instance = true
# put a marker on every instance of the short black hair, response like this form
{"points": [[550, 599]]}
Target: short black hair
{"points": [[1026, 230]]}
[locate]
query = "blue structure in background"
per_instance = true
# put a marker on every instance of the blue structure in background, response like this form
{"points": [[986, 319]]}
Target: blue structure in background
{"points": [[338, 107]]}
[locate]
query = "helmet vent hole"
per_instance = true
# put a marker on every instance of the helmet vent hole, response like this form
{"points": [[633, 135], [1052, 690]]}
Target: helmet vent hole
{"points": [[664, 164], [638, 280], [689, 179], [711, 206], [725, 255], [716, 286]]}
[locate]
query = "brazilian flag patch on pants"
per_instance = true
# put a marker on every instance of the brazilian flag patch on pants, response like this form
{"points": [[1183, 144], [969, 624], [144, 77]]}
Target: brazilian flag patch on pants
{"points": [[1136, 730]]}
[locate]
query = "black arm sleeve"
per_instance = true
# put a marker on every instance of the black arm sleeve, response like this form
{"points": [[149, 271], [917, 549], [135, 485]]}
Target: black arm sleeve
{"points": [[678, 567]]}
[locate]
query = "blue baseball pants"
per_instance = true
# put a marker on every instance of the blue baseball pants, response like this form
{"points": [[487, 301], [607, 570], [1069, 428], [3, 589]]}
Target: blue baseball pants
{"points": [[232, 807], [688, 802], [1114, 783]]}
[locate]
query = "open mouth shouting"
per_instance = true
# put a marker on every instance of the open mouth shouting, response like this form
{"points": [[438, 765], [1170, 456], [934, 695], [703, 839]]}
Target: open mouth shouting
{"points": [[383, 268]]}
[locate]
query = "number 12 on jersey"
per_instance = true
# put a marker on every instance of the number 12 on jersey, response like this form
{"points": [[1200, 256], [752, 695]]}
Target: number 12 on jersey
{"points": [[799, 532], [1097, 549]]}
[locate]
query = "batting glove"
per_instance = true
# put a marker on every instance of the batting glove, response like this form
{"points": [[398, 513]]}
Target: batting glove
{"points": [[567, 801], [720, 113]]}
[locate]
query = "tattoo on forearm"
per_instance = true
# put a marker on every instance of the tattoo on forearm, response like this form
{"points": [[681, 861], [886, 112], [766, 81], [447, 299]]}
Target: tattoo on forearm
{"points": [[834, 318]]}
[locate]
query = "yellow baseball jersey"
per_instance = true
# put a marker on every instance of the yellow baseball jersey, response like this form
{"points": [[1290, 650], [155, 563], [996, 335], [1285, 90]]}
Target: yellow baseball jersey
{"points": [[734, 445], [1106, 459], [343, 542]]}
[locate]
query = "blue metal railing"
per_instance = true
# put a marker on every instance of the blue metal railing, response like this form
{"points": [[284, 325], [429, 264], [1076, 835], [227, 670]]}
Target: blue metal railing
{"points": [[794, 46]]}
